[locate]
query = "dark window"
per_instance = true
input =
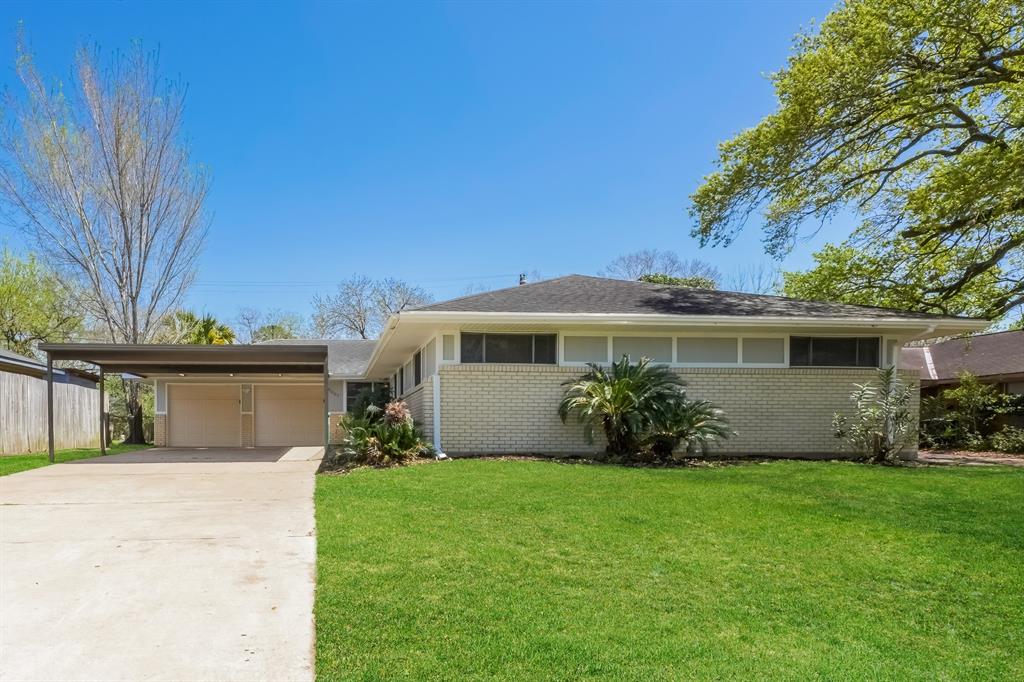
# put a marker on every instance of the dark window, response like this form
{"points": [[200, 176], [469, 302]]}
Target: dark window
{"points": [[834, 351], [472, 347], [401, 380], [352, 391], [417, 364], [545, 349], [538, 349]]}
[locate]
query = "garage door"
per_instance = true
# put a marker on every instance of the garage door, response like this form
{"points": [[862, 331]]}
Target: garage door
{"points": [[203, 415], [289, 415]]}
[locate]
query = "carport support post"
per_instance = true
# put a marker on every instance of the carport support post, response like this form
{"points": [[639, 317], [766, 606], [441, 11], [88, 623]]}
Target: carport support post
{"points": [[327, 413], [103, 430], [49, 405]]}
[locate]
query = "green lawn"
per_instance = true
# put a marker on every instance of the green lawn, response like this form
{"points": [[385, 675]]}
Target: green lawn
{"points": [[799, 570], [14, 463]]}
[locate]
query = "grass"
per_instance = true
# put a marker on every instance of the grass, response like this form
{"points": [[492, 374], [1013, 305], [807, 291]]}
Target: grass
{"points": [[12, 464], [788, 570]]}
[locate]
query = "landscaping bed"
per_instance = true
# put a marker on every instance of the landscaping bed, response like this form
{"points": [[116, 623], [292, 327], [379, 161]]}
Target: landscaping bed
{"points": [[474, 569]]}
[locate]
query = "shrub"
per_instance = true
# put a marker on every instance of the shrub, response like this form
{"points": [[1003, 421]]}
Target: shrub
{"points": [[882, 423], [696, 424], [625, 401], [382, 437], [1010, 439]]}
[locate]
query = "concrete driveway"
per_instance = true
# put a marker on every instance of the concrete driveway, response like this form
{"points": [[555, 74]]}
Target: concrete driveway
{"points": [[166, 564]]}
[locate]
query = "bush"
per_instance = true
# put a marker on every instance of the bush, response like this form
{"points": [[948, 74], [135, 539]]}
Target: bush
{"points": [[695, 424], [625, 401], [882, 423], [961, 417], [1010, 439], [382, 437]]}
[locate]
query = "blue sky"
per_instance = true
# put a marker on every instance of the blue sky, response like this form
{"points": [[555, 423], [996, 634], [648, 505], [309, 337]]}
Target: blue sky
{"points": [[451, 145]]}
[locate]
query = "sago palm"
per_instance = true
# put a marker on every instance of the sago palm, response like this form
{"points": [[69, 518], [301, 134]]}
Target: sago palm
{"points": [[624, 400], [695, 424]]}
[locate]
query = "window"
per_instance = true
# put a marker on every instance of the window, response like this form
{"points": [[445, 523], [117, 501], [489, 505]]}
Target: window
{"points": [[656, 348], [585, 348], [834, 351], [764, 351], [537, 349], [710, 351], [417, 365], [401, 380], [448, 347]]}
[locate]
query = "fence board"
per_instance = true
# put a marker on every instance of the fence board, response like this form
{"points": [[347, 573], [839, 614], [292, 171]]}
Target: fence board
{"points": [[23, 415]]}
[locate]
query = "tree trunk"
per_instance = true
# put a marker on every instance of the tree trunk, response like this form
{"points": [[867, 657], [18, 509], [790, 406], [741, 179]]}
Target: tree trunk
{"points": [[136, 432]]}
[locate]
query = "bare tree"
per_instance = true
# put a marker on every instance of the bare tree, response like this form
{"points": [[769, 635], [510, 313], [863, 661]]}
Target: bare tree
{"points": [[362, 305], [762, 278], [255, 325], [101, 178], [654, 262]]}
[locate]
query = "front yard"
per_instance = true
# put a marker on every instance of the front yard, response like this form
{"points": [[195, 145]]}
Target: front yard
{"points": [[536, 570], [12, 464]]}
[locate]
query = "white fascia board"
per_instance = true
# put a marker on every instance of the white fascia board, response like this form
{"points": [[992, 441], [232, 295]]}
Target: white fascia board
{"points": [[677, 320]]}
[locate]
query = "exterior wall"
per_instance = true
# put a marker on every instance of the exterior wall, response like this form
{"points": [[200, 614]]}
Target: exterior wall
{"points": [[23, 424], [421, 405], [160, 430], [487, 409], [337, 433]]}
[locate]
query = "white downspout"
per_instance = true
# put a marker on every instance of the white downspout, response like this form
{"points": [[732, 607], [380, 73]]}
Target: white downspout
{"points": [[436, 385]]}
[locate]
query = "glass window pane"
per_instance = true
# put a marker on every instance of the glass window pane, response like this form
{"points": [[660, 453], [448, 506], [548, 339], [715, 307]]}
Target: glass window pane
{"points": [[800, 351], [585, 348], [710, 350], [508, 348], [834, 352], [417, 363], [658, 349], [472, 347], [352, 391], [867, 352], [545, 349], [764, 351]]}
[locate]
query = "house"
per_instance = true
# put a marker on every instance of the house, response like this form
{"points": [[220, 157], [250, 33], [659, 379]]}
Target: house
{"points": [[23, 405], [485, 373], [996, 358]]}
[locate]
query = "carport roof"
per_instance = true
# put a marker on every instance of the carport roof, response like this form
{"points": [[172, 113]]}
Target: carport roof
{"points": [[149, 359]]}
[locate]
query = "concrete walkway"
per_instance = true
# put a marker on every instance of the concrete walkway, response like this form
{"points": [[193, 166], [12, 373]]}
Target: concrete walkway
{"points": [[167, 564]]}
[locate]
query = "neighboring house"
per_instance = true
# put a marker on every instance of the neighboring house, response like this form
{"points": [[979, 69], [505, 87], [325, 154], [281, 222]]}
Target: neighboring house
{"points": [[996, 358], [23, 406], [485, 373]]}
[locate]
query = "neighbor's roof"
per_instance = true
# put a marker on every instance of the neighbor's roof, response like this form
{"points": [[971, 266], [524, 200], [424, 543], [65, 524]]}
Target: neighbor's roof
{"points": [[985, 355], [583, 294], [345, 357], [26, 365]]}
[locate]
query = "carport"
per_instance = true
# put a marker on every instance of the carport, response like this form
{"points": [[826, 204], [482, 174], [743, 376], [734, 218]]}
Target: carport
{"points": [[234, 365]]}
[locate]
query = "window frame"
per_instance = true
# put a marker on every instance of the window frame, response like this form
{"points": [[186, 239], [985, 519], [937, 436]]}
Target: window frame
{"points": [[533, 348], [880, 338]]}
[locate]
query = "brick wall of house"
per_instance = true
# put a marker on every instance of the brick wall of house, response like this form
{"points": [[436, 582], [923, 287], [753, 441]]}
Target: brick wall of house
{"points": [[160, 430], [421, 405], [336, 432], [777, 411]]}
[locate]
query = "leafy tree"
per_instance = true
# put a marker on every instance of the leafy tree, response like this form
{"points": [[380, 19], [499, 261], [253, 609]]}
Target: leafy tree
{"points": [[361, 306], [894, 278], [35, 305], [909, 114], [694, 281], [184, 326], [100, 176], [652, 261], [624, 400]]}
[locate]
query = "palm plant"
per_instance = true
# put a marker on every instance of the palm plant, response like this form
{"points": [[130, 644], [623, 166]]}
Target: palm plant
{"points": [[695, 424], [184, 326], [624, 400]]}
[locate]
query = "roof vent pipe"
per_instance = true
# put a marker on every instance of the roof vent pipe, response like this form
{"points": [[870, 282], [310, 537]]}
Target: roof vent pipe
{"points": [[522, 278]]}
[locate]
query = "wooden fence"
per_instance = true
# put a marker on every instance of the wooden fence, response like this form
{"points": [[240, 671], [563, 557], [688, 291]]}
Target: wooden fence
{"points": [[76, 415]]}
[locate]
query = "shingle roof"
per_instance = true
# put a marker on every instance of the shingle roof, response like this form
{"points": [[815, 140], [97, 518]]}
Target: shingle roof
{"points": [[345, 357], [585, 294], [983, 354]]}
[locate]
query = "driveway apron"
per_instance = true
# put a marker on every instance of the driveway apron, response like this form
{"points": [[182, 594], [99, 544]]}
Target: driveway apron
{"points": [[166, 564]]}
